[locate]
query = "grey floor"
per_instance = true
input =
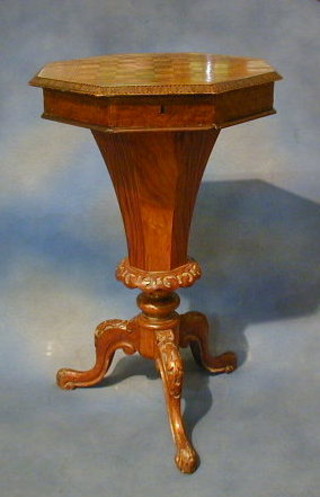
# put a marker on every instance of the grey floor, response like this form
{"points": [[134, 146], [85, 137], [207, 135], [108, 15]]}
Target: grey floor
{"points": [[256, 232]]}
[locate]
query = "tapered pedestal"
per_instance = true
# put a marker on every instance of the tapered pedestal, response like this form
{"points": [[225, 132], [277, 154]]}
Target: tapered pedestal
{"points": [[156, 177]]}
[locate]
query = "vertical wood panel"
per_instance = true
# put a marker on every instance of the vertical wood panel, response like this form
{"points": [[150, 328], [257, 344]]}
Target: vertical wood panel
{"points": [[156, 178]]}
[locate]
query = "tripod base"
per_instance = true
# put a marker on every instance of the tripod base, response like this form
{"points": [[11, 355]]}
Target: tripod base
{"points": [[156, 333]]}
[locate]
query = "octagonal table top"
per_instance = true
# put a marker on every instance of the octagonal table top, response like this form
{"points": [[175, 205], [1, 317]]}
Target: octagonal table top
{"points": [[155, 74]]}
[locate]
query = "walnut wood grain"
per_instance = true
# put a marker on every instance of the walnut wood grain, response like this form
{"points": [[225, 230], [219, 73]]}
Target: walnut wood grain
{"points": [[157, 91], [156, 178], [155, 118], [156, 113]]}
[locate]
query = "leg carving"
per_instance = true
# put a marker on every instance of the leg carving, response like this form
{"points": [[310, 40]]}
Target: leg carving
{"points": [[109, 336], [194, 331], [170, 365]]}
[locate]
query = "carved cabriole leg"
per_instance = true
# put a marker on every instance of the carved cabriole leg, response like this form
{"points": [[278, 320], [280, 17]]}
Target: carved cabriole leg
{"points": [[109, 336], [170, 365], [158, 326], [194, 330]]}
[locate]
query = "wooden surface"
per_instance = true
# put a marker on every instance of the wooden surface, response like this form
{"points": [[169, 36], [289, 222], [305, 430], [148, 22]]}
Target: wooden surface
{"points": [[156, 113], [150, 92], [156, 177], [156, 333], [155, 74], [150, 281], [155, 118]]}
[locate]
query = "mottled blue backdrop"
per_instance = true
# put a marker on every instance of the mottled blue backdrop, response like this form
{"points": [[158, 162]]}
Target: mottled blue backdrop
{"points": [[256, 233]]}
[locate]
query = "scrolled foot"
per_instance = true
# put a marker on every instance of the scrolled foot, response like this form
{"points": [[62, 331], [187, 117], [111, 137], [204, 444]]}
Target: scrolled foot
{"points": [[194, 330], [224, 363], [67, 379], [109, 336]]}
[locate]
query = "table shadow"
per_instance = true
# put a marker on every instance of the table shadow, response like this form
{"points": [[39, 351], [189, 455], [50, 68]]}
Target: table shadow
{"points": [[258, 246]]}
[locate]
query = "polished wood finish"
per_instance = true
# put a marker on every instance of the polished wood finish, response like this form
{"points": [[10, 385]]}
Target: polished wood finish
{"points": [[156, 334], [155, 74], [149, 281], [157, 91], [156, 178], [155, 118], [156, 113], [195, 332]]}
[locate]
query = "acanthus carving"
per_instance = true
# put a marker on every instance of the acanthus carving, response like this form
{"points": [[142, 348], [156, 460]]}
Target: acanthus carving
{"points": [[150, 281], [110, 325], [171, 360], [171, 368]]}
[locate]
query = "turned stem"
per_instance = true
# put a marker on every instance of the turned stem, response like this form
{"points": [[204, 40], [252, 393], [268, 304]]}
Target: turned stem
{"points": [[158, 314], [159, 305]]}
